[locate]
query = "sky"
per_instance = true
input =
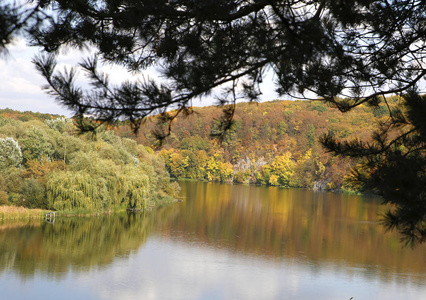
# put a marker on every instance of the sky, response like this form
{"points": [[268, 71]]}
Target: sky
{"points": [[21, 85]]}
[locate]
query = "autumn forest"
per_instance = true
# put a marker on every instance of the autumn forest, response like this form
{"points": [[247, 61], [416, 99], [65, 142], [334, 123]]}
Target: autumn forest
{"points": [[273, 143], [46, 164]]}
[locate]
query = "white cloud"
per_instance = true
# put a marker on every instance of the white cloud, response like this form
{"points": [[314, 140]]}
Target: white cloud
{"points": [[20, 84], [166, 268], [178, 271]]}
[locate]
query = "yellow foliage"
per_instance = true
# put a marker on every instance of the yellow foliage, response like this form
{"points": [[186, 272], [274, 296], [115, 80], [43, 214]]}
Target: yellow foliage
{"points": [[273, 180]]}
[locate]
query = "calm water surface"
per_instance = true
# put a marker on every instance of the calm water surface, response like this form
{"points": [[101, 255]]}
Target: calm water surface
{"points": [[221, 242]]}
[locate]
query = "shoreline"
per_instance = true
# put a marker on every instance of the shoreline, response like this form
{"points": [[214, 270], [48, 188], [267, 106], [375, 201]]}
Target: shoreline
{"points": [[10, 212], [13, 213]]}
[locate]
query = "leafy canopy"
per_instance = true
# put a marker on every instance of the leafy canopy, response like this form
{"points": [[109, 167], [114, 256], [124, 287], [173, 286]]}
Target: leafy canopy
{"points": [[10, 153]]}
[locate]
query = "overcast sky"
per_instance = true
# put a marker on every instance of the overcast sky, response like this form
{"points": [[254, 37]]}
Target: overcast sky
{"points": [[21, 85]]}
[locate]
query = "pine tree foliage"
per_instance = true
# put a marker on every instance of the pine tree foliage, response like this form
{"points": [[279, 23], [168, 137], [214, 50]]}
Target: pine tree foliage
{"points": [[346, 52], [15, 17], [394, 166]]}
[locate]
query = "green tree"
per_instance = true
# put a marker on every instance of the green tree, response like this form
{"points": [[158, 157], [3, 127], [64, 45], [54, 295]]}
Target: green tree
{"points": [[310, 135], [98, 184], [394, 166], [282, 128], [65, 172], [10, 153], [36, 144], [59, 124], [34, 193]]}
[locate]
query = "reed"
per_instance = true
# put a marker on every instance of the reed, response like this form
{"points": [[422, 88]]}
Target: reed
{"points": [[18, 212]]}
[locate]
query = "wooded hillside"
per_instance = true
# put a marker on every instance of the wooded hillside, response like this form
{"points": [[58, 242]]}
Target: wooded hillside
{"points": [[44, 164], [271, 143]]}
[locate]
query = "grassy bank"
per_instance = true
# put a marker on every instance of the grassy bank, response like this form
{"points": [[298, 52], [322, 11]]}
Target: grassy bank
{"points": [[20, 213], [13, 213], [8, 212]]}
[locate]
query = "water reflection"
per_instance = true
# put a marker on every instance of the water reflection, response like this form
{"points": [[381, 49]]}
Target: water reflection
{"points": [[318, 228], [78, 242], [222, 242]]}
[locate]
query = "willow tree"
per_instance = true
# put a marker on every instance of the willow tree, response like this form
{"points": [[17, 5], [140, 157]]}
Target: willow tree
{"points": [[122, 187], [345, 52], [96, 183]]}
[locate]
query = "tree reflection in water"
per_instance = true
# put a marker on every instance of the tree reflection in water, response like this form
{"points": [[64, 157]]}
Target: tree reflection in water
{"points": [[317, 229], [78, 242]]}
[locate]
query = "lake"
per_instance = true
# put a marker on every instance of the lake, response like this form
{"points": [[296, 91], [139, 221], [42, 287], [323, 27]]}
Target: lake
{"points": [[222, 242]]}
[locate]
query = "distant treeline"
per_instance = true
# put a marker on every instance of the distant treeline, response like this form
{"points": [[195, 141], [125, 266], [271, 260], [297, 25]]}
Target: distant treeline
{"points": [[271, 143], [44, 164], [26, 115]]}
